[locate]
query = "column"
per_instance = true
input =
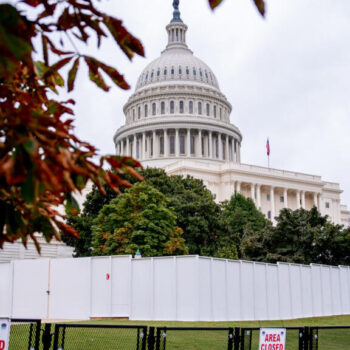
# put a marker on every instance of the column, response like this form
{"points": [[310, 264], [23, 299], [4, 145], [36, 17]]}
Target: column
{"points": [[177, 143], [143, 145], [166, 143], [238, 153], [233, 149], [252, 192], [134, 146], [210, 155], [188, 147], [315, 199], [199, 144], [127, 153], [122, 147], [303, 199], [285, 196], [298, 199], [258, 195], [272, 199], [220, 146], [155, 153], [238, 187], [227, 150], [319, 202]]}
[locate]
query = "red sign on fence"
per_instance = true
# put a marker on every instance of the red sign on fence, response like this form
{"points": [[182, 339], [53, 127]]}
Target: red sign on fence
{"points": [[272, 339], [4, 333]]}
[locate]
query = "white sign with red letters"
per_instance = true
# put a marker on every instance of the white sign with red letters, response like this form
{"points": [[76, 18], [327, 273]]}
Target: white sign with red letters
{"points": [[272, 339], [5, 325]]}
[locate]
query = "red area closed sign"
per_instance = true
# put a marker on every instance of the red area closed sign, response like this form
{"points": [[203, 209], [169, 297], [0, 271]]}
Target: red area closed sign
{"points": [[4, 333], [107, 278], [272, 339]]}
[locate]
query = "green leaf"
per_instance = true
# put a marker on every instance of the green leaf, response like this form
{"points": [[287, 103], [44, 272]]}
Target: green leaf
{"points": [[41, 68], [72, 206], [72, 74], [28, 188], [29, 146]]}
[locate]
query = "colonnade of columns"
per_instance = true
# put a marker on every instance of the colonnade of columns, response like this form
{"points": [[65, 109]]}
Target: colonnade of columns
{"points": [[180, 142], [274, 195]]}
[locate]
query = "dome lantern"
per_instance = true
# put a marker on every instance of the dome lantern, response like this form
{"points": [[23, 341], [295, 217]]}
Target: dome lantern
{"points": [[176, 29]]}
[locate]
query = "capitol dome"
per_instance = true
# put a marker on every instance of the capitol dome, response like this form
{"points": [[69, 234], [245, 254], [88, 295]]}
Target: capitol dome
{"points": [[177, 110]]}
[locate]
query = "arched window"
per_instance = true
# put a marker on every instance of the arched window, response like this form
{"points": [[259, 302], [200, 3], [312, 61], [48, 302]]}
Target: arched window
{"points": [[133, 114], [208, 109], [180, 71], [172, 71], [162, 108], [190, 107], [172, 107], [158, 73], [214, 111], [199, 108], [165, 71], [139, 112], [200, 73], [154, 108], [146, 111], [194, 71], [181, 106], [187, 71], [220, 113], [152, 75]]}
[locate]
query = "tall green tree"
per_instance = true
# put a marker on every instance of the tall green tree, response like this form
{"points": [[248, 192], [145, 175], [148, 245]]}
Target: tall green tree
{"points": [[194, 205], [300, 236], [137, 219], [239, 217]]}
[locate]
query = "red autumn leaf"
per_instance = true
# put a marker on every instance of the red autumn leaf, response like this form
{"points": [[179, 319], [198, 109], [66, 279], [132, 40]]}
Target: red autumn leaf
{"points": [[261, 6], [214, 3], [72, 74]]}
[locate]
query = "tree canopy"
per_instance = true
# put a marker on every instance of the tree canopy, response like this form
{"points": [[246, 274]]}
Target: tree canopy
{"points": [[300, 236], [137, 219], [239, 216]]}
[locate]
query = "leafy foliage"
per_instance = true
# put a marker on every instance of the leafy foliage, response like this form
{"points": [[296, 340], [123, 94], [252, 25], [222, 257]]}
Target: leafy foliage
{"points": [[239, 216], [195, 208], [42, 163], [138, 219], [300, 236], [260, 5]]}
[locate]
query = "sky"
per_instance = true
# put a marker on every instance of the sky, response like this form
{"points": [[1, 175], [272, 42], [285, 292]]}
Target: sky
{"points": [[286, 76]]}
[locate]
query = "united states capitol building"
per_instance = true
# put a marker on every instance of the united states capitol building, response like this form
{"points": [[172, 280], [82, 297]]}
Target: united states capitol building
{"points": [[179, 120]]}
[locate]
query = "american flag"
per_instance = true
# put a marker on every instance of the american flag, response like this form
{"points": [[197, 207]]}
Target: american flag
{"points": [[268, 147]]}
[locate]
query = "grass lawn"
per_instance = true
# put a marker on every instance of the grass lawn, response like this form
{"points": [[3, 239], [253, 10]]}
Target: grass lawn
{"points": [[124, 339]]}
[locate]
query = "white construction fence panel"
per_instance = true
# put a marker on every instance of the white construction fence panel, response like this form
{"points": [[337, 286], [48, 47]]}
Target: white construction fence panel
{"points": [[30, 288], [6, 270], [70, 289], [184, 288]]}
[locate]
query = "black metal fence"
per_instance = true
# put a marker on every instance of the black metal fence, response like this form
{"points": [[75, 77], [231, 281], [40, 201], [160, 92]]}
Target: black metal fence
{"points": [[28, 334], [296, 338], [172, 338], [25, 334], [104, 337]]}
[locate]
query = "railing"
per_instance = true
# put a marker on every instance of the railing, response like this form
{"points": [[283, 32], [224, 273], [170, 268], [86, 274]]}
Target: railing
{"points": [[30, 334]]}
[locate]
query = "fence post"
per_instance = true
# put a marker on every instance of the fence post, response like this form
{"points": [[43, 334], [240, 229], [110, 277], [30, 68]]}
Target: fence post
{"points": [[151, 338], [230, 339], [46, 339], [242, 339], [144, 338], [37, 335], [236, 338]]}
